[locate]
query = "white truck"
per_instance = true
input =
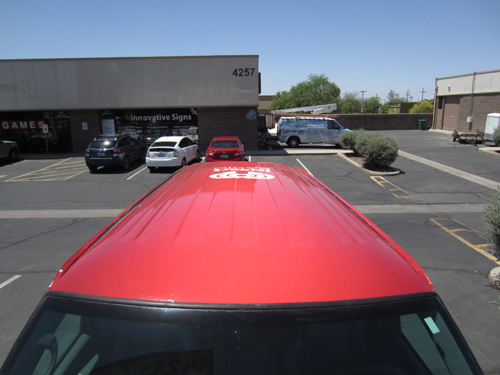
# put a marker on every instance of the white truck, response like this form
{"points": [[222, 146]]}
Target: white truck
{"points": [[309, 129], [273, 117]]}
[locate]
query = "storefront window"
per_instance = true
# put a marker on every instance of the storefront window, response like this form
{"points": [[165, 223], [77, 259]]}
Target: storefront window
{"points": [[148, 124], [37, 131]]}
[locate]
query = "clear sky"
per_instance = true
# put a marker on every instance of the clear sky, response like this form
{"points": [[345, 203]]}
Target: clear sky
{"points": [[361, 45]]}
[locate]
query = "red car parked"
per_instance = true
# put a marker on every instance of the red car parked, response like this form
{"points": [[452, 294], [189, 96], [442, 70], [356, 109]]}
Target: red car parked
{"points": [[224, 149], [241, 268]]}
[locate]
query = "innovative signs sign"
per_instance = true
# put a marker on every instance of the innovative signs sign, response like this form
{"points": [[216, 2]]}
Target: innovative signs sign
{"points": [[160, 117]]}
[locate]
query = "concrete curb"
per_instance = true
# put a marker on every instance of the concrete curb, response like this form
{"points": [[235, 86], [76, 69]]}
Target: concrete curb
{"points": [[369, 171]]}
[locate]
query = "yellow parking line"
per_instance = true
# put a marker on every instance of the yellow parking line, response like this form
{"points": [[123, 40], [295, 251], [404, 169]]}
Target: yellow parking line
{"points": [[464, 228], [392, 188], [61, 171]]}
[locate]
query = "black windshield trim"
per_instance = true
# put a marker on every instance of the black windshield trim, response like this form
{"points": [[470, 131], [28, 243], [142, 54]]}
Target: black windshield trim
{"points": [[216, 306]]}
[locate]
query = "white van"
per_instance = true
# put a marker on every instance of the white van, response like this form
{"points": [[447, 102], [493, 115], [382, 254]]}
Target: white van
{"points": [[305, 129]]}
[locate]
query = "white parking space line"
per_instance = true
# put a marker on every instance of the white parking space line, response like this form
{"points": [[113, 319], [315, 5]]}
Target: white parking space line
{"points": [[136, 173], [13, 278], [305, 168]]}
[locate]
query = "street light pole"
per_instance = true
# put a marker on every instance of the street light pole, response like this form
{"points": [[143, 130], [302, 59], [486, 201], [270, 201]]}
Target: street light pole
{"points": [[362, 99]]}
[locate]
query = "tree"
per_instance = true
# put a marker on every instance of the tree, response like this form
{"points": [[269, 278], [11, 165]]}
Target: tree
{"points": [[422, 107], [393, 97], [372, 105], [349, 103], [316, 90]]}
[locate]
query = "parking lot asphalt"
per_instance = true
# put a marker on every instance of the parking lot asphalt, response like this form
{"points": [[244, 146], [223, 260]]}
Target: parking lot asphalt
{"points": [[47, 211], [433, 148]]}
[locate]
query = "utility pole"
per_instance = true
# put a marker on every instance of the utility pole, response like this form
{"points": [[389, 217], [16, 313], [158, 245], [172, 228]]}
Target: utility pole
{"points": [[362, 99], [423, 93]]}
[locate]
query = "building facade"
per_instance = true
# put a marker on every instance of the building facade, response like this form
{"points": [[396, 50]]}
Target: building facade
{"points": [[66, 102], [463, 102]]}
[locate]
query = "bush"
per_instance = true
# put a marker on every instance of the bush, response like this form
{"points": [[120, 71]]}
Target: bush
{"points": [[347, 140], [496, 136], [492, 218], [353, 140], [379, 150]]}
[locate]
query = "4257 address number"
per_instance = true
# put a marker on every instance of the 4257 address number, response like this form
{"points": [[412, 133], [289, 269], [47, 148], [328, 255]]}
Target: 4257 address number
{"points": [[243, 72]]}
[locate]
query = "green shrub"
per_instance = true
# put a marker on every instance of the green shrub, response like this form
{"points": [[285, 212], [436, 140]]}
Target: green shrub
{"points": [[492, 218], [360, 139], [347, 140], [496, 136], [378, 150]]}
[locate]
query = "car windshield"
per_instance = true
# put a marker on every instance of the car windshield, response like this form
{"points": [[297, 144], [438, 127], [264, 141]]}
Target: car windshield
{"points": [[103, 143], [164, 144], [404, 336], [224, 144]]}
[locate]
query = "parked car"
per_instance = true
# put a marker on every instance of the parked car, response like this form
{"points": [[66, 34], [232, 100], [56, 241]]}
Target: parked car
{"points": [[241, 268], [225, 148], [9, 150], [174, 151], [116, 150]]}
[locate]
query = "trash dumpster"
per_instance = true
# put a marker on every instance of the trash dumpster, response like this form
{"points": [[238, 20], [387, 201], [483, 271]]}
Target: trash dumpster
{"points": [[422, 124]]}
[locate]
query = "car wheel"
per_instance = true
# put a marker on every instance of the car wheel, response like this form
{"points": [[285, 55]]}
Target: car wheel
{"points": [[293, 142], [126, 163], [151, 169], [92, 168], [198, 155], [13, 155], [183, 163]]}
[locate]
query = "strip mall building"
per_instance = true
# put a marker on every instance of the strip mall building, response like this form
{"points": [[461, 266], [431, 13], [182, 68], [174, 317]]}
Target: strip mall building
{"points": [[67, 102]]}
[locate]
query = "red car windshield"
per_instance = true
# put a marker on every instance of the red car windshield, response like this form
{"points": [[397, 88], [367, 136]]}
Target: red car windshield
{"points": [[403, 336], [224, 144]]}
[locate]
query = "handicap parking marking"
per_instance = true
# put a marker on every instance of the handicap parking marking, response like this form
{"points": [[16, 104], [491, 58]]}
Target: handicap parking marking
{"points": [[475, 241], [61, 171], [392, 188]]}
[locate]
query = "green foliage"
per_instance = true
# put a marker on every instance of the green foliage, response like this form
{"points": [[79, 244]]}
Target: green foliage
{"points": [[349, 103], [492, 218], [379, 150], [316, 90], [348, 140], [496, 136], [422, 107], [362, 137], [372, 105], [353, 140]]}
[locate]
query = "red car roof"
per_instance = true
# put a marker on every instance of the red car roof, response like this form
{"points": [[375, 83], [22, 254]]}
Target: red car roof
{"points": [[225, 138], [241, 233]]}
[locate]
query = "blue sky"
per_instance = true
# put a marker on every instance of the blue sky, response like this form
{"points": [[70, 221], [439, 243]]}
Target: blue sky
{"points": [[361, 45]]}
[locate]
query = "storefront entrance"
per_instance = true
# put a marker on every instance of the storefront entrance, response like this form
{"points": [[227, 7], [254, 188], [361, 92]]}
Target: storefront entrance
{"points": [[146, 125]]}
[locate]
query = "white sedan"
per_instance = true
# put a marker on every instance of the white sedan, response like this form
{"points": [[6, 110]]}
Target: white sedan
{"points": [[172, 152]]}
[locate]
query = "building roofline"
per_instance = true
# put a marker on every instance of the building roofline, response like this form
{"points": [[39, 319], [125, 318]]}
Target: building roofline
{"points": [[126, 58], [470, 74]]}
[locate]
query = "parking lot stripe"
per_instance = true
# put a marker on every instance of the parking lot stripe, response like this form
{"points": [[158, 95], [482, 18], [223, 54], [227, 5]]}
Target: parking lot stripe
{"points": [[136, 173], [13, 278], [464, 228], [418, 208], [392, 188], [59, 214], [305, 168]]}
